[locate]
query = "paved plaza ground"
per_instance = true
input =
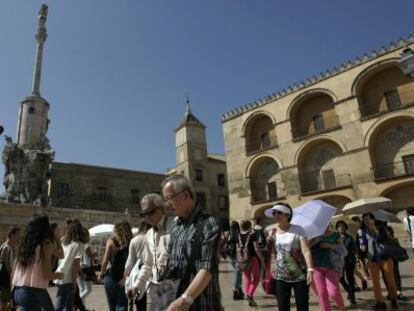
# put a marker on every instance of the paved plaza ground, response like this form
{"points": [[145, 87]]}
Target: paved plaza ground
{"points": [[97, 301]]}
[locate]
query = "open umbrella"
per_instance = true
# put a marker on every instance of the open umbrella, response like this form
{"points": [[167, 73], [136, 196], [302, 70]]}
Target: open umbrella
{"points": [[313, 216], [101, 230], [366, 205], [385, 216]]}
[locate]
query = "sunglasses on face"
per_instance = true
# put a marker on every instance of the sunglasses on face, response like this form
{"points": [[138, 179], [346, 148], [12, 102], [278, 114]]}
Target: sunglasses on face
{"points": [[148, 214], [277, 213]]}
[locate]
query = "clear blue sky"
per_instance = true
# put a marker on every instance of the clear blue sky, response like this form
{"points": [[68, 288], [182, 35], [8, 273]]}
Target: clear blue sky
{"points": [[116, 72]]}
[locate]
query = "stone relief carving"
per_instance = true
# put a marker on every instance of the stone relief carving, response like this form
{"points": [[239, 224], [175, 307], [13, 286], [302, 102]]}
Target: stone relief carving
{"points": [[26, 173]]}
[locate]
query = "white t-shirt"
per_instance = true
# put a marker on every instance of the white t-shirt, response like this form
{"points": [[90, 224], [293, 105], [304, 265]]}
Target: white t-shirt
{"points": [[71, 252], [410, 229], [290, 262]]}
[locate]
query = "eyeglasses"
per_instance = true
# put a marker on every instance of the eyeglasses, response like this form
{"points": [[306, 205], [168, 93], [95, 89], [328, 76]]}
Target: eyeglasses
{"points": [[148, 214], [172, 198], [277, 213]]}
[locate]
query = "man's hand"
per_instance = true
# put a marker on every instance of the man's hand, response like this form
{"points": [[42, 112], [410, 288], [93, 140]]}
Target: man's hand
{"points": [[178, 305]]}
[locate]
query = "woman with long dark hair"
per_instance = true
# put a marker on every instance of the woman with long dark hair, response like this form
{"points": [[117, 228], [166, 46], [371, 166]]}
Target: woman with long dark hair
{"points": [[34, 266], [116, 253], [231, 250]]}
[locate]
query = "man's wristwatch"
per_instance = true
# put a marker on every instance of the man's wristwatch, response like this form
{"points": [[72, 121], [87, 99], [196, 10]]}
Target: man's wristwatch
{"points": [[187, 299]]}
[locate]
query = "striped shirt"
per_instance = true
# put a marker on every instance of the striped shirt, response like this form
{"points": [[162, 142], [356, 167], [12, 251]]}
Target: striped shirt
{"points": [[194, 245]]}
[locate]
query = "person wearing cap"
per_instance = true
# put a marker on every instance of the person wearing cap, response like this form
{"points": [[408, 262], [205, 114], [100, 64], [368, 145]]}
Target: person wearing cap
{"points": [[155, 256], [293, 265]]}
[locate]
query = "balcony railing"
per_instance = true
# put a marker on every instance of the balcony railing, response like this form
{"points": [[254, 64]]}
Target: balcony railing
{"points": [[317, 126], [275, 191], [396, 169], [400, 100], [254, 146], [325, 182]]}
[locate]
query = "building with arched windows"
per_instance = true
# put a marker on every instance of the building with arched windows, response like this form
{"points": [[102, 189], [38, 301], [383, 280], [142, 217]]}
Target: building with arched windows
{"points": [[340, 136]]}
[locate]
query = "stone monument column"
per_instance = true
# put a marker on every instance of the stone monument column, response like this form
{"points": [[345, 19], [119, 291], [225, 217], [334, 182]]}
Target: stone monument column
{"points": [[27, 162], [33, 119]]}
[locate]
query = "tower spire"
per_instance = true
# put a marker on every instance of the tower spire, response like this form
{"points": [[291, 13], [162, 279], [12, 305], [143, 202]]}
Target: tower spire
{"points": [[41, 36], [187, 106]]}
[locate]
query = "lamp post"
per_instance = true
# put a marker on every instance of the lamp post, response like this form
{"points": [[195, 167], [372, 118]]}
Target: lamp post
{"points": [[406, 62]]}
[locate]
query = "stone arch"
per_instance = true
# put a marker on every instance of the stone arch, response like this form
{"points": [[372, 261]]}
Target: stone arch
{"points": [[259, 132], [265, 179], [401, 195], [313, 112], [309, 142], [382, 87], [319, 165], [363, 74], [383, 120], [390, 143], [298, 99], [258, 157], [254, 115]]}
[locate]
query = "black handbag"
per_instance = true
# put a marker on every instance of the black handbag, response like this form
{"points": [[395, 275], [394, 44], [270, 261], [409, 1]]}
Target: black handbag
{"points": [[392, 249]]}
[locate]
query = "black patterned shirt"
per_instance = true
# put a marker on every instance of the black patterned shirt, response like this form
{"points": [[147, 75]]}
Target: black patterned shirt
{"points": [[194, 245]]}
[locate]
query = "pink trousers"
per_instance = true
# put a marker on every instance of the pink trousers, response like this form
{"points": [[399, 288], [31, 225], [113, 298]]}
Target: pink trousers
{"points": [[251, 277], [326, 282]]}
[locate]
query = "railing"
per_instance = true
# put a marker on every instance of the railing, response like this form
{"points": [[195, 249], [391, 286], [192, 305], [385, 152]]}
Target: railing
{"points": [[257, 145], [94, 202], [384, 105], [396, 169], [277, 193], [316, 127], [324, 182]]}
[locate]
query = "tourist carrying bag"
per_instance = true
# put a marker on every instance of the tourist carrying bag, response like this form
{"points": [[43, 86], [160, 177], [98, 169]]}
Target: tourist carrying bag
{"points": [[243, 259], [268, 282]]}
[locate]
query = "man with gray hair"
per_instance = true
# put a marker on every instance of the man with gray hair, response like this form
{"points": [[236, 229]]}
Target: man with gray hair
{"points": [[193, 250]]}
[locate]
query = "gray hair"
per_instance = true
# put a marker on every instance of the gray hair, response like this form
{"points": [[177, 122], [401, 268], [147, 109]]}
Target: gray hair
{"points": [[153, 200], [181, 184]]}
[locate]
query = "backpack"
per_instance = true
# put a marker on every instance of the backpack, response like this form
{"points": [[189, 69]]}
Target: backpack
{"points": [[261, 240], [243, 259]]}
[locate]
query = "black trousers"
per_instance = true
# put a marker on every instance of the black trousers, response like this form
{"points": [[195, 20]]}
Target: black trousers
{"points": [[284, 291], [348, 279]]}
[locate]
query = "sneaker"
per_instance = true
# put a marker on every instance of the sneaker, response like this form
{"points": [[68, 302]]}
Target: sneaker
{"points": [[394, 304], [252, 303], [357, 289], [379, 306]]}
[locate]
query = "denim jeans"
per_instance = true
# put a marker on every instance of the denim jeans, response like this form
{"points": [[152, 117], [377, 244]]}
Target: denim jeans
{"points": [[237, 275], [32, 299], [284, 291], [64, 297], [115, 295]]}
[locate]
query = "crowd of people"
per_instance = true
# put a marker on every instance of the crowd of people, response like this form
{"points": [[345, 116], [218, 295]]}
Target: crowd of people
{"points": [[321, 264], [174, 260]]}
